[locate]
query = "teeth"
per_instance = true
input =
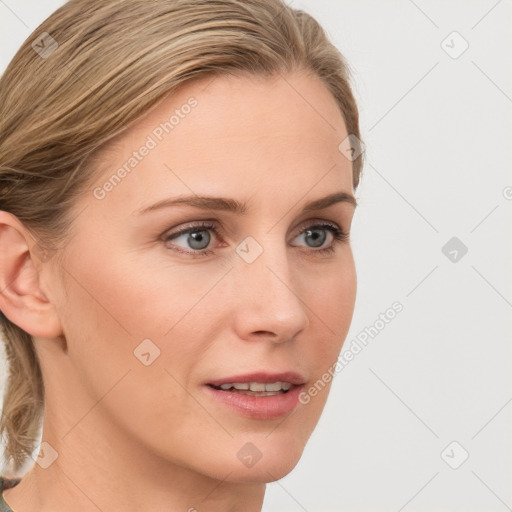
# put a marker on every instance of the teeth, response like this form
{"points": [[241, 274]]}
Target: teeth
{"points": [[257, 386], [275, 386]]}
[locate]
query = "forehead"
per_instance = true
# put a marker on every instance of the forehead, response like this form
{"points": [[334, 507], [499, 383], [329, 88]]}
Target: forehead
{"points": [[227, 133]]}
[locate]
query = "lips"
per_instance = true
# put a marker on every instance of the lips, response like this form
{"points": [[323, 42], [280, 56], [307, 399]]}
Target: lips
{"points": [[259, 395], [260, 377]]}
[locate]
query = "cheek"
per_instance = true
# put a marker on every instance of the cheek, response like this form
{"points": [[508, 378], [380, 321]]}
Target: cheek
{"points": [[107, 318], [140, 297], [120, 314], [330, 298]]}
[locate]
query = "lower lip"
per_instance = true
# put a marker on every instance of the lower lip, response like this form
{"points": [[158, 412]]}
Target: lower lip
{"points": [[259, 407]]}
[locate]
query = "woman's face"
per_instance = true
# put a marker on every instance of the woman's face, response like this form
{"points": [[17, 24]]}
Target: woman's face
{"points": [[153, 315]]}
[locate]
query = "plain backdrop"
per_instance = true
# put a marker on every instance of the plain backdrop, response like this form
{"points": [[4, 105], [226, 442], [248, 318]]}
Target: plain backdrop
{"points": [[419, 420]]}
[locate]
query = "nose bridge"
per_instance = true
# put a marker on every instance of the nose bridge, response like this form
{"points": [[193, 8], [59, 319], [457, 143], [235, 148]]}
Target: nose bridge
{"points": [[268, 299]]}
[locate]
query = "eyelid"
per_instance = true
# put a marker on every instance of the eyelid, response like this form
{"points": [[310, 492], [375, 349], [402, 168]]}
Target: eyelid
{"points": [[189, 227], [197, 224], [314, 222], [338, 237]]}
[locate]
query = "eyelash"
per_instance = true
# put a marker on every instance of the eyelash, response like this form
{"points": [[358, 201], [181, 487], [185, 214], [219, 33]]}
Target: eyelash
{"points": [[339, 236]]}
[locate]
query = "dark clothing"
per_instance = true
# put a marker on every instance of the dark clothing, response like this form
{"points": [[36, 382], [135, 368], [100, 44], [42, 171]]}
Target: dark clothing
{"points": [[6, 483]]}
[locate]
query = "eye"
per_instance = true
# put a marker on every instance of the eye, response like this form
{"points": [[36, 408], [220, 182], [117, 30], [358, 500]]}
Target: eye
{"points": [[196, 238], [316, 236]]}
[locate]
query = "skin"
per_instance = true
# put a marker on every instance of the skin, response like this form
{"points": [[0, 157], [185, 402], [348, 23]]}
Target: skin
{"points": [[130, 436]]}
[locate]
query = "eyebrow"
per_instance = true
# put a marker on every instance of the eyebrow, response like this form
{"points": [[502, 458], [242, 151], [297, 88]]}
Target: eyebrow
{"points": [[234, 206]]}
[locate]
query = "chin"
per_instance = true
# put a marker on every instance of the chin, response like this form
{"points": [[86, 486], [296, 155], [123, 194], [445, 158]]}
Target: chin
{"points": [[271, 470], [260, 458]]}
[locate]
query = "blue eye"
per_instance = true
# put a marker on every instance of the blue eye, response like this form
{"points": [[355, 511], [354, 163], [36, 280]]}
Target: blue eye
{"points": [[197, 238], [338, 235]]}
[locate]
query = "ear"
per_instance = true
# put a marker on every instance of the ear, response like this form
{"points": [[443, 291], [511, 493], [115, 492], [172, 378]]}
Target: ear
{"points": [[22, 300]]}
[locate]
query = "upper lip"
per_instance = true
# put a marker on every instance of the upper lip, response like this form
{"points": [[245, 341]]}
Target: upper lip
{"points": [[263, 377]]}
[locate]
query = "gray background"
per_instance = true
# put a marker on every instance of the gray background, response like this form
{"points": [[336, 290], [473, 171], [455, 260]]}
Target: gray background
{"points": [[437, 127]]}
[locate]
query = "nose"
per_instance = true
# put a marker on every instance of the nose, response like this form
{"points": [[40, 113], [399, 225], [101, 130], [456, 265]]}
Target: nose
{"points": [[267, 294]]}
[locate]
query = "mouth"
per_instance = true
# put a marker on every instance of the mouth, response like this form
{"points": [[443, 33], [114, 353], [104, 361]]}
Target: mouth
{"points": [[259, 395], [255, 388]]}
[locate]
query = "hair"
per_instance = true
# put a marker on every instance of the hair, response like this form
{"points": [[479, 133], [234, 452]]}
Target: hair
{"points": [[86, 74]]}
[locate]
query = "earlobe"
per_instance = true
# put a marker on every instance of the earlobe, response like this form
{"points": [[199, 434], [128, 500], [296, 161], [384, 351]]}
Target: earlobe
{"points": [[22, 300]]}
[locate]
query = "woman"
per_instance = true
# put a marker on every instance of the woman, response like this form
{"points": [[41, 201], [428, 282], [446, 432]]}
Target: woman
{"points": [[177, 186]]}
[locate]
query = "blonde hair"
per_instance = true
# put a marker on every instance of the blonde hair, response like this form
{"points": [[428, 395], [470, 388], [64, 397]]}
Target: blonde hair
{"points": [[87, 73]]}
